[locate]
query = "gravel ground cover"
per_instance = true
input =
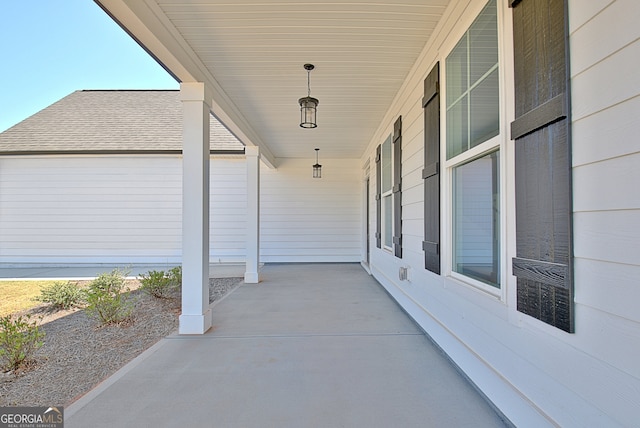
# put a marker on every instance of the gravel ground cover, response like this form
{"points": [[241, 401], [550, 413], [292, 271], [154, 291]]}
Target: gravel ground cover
{"points": [[78, 353]]}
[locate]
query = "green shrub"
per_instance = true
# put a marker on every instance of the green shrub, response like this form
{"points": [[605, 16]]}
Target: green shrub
{"points": [[156, 284], [107, 298], [161, 284], [19, 339], [176, 275], [61, 295]]}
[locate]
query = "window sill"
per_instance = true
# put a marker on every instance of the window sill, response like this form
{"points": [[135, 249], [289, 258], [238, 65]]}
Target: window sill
{"points": [[476, 285]]}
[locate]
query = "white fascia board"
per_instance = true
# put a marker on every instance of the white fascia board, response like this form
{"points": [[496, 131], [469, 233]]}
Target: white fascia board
{"points": [[150, 27]]}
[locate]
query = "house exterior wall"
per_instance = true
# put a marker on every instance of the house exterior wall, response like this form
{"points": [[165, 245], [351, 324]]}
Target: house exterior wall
{"points": [[83, 209], [127, 209], [536, 374], [228, 207], [303, 219]]}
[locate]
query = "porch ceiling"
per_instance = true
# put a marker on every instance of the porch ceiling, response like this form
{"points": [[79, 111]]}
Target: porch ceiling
{"points": [[252, 53]]}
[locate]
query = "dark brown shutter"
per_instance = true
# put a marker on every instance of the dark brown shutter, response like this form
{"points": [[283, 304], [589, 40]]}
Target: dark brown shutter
{"points": [[431, 171], [379, 197], [543, 262], [397, 187]]}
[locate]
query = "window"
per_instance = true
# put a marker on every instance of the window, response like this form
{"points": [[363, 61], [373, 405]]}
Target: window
{"points": [[472, 151], [387, 193], [476, 219], [472, 85]]}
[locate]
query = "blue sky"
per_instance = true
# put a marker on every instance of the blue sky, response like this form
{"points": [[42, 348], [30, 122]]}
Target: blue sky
{"points": [[49, 49]]}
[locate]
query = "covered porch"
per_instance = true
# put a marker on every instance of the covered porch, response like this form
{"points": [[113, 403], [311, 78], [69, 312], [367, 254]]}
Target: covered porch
{"points": [[462, 142], [246, 64], [314, 345]]}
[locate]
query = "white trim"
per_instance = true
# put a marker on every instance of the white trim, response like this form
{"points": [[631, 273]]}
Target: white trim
{"points": [[388, 193], [251, 275], [195, 324], [499, 142], [195, 317], [507, 160], [366, 215], [466, 280]]}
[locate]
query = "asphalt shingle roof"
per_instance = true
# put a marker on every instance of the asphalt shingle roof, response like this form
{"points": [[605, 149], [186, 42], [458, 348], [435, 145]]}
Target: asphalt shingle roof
{"points": [[109, 120]]}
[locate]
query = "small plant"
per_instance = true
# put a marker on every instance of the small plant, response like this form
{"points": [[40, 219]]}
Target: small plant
{"points": [[161, 284], [61, 295], [107, 300], [176, 274], [157, 284], [19, 339]]}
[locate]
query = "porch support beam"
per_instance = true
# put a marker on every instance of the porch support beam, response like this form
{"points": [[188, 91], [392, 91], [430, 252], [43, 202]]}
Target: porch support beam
{"points": [[196, 315], [251, 275]]}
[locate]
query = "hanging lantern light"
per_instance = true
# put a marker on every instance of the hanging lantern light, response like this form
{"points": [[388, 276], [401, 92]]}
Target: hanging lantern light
{"points": [[308, 104], [317, 168]]}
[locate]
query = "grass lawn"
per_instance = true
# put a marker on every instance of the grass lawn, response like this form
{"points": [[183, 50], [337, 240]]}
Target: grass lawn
{"points": [[18, 295]]}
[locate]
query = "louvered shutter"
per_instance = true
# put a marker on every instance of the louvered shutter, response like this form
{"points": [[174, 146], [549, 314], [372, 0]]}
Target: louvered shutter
{"points": [[431, 171], [379, 197], [541, 130], [397, 187]]}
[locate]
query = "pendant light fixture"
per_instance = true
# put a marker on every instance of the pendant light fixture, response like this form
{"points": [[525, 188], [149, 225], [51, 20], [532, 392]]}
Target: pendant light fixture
{"points": [[308, 104], [317, 168]]}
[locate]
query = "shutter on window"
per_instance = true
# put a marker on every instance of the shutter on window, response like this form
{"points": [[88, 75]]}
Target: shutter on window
{"points": [[541, 130], [379, 197], [397, 187], [431, 171]]}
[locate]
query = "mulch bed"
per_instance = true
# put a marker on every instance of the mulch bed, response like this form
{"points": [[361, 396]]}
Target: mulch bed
{"points": [[78, 353]]}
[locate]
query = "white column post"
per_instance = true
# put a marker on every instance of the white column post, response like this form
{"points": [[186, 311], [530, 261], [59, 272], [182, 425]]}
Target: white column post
{"points": [[251, 275], [196, 315]]}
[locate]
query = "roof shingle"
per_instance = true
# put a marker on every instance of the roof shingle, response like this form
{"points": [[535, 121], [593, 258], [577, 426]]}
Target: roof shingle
{"points": [[109, 120]]}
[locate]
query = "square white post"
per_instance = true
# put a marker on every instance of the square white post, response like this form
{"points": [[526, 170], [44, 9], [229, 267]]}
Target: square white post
{"points": [[251, 275], [196, 315]]}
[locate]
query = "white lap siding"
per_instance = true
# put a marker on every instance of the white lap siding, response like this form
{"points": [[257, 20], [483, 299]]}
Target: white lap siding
{"points": [[310, 220], [228, 207], [606, 175], [302, 219], [127, 209], [90, 209]]}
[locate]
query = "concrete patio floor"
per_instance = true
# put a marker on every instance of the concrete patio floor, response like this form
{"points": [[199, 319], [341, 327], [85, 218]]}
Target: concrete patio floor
{"points": [[312, 345]]}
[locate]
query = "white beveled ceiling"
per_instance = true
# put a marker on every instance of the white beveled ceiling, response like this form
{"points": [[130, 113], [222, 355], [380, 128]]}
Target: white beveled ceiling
{"points": [[252, 53]]}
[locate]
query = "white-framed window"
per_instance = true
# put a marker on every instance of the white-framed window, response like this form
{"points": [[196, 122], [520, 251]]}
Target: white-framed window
{"points": [[472, 152], [386, 159], [476, 219]]}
